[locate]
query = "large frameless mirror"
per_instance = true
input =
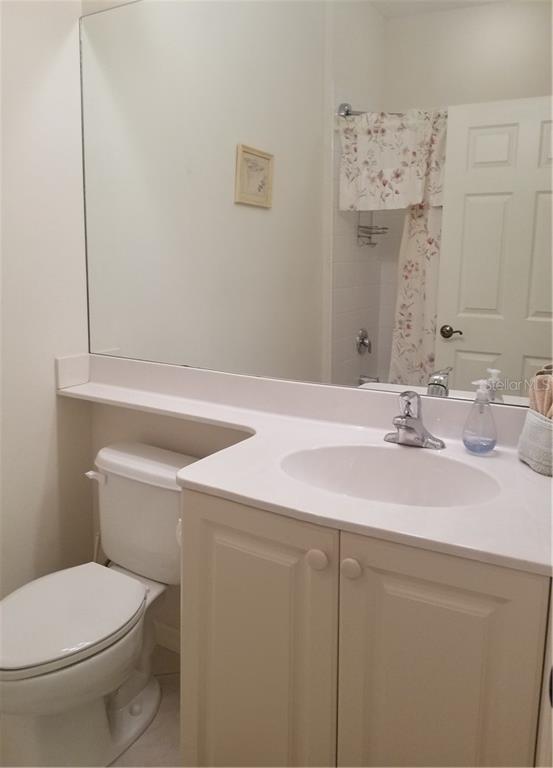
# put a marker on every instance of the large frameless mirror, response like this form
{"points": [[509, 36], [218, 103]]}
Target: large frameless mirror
{"points": [[355, 193]]}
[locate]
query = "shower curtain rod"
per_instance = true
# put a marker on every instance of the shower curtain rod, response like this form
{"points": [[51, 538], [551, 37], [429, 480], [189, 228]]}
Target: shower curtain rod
{"points": [[345, 110]]}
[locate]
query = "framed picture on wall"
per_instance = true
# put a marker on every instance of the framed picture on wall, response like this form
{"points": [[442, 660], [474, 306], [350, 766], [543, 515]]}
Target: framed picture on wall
{"points": [[254, 177]]}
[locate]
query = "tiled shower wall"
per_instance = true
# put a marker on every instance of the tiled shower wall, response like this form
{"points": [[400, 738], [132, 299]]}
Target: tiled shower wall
{"points": [[355, 299], [364, 287]]}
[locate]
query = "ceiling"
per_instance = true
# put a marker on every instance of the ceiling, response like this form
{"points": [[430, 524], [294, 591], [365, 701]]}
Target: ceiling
{"points": [[392, 8]]}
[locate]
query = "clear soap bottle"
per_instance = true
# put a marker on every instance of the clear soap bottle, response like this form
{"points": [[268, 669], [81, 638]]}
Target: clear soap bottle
{"points": [[479, 433]]}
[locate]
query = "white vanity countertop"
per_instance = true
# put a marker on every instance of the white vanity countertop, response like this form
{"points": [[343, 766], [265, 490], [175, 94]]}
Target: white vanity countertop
{"points": [[513, 529]]}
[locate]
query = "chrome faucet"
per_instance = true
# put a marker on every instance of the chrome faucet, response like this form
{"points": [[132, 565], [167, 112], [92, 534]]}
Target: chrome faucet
{"points": [[438, 383], [410, 429]]}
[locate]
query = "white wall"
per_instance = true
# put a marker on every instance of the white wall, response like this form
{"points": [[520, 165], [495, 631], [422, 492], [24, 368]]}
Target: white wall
{"points": [[179, 272], [45, 511], [495, 51], [94, 6]]}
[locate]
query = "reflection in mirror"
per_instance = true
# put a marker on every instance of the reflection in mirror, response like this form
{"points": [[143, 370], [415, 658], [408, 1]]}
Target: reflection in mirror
{"points": [[355, 193]]}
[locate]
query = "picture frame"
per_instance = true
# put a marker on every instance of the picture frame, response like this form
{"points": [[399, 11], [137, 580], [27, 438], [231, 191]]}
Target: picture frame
{"points": [[254, 177]]}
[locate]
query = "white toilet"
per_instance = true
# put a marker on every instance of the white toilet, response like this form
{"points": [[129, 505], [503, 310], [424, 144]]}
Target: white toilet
{"points": [[75, 681]]}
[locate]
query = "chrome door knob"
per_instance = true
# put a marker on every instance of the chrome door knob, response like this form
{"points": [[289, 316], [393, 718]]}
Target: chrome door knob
{"points": [[447, 331], [317, 559], [351, 568]]}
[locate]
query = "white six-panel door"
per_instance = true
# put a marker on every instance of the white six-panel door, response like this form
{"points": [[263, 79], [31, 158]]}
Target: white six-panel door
{"points": [[495, 267]]}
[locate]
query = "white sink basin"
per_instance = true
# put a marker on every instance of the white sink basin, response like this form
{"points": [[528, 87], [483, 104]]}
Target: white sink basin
{"points": [[418, 477]]}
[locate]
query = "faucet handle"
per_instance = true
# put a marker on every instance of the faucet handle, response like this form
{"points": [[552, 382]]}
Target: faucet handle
{"points": [[442, 372], [410, 404]]}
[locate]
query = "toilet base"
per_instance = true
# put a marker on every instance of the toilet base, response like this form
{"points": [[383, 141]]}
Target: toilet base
{"points": [[91, 735], [130, 721]]}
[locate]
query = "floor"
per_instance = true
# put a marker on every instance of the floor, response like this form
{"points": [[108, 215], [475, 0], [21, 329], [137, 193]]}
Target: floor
{"points": [[159, 744]]}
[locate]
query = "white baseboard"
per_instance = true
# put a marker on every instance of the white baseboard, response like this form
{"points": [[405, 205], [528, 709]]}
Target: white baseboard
{"points": [[167, 636]]}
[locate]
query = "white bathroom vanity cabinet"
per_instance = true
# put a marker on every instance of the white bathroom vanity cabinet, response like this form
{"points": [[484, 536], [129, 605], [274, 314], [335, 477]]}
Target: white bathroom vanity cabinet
{"points": [[306, 645]]}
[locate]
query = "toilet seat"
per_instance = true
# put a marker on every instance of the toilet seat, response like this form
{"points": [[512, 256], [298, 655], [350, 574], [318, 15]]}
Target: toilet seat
{"points": [[65, 617]]}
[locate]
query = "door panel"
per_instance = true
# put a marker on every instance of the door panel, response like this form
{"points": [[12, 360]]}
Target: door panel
{"points": [[440, 659], [495, 265], [263, 623]]}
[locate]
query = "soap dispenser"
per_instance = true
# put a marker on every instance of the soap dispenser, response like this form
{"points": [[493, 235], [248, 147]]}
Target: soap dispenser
{"points": [[495, 385], [479, 434]]}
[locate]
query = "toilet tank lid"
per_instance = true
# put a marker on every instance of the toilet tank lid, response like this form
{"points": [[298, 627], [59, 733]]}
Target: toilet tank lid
{"points": [[144, 463]]}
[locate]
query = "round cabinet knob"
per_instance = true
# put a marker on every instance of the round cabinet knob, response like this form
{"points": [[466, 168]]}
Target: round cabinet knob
{"points": [[447, 331], [317, 559], [351, 568]]}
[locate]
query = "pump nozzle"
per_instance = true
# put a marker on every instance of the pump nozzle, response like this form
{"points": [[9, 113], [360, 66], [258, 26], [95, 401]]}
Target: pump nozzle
{"points": [[495, 383], [483, 389]]}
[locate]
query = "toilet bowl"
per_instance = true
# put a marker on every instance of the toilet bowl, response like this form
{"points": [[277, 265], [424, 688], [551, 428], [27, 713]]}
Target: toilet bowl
{"points": [[75, 659], [75, 682]]}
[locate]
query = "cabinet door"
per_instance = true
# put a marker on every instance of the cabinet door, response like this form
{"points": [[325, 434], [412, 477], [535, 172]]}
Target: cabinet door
{"points": [[259, 637], [440, 658], [544, 752]]}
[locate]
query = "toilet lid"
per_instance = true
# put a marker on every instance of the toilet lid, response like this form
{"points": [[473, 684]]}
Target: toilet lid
{"points": [[61, 618]]}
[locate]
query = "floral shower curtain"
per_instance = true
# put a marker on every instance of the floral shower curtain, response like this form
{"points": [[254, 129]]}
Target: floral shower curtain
{"points": [[397, 161]]}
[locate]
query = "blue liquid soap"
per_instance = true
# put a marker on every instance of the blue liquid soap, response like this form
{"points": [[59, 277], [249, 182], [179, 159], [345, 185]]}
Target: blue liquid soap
{"points": [[479, 434], [477, 444]]}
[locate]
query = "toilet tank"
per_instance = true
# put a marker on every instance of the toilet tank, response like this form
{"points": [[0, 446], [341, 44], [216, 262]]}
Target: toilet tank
{"points": [[139, 507]]}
